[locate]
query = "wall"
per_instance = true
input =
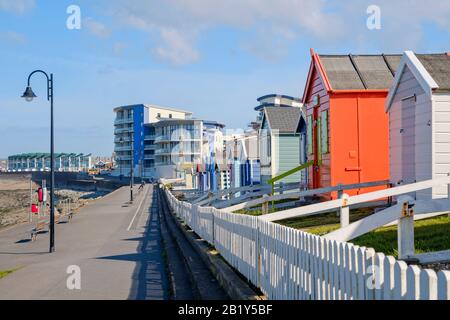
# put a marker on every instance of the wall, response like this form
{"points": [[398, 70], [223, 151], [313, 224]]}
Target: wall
{"points": [[317, 88], [288, 156], [441, 140], [154, 110], [410, 135]]}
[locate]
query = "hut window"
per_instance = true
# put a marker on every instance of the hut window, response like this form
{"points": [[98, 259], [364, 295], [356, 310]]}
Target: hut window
{"points": [[310, 135], [324, 131]]}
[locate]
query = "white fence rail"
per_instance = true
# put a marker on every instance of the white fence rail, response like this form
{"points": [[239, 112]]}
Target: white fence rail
{"points": [[289, 264]]}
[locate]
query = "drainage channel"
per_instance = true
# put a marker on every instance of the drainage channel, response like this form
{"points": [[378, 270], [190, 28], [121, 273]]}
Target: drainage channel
{"points": [[191, 279]]}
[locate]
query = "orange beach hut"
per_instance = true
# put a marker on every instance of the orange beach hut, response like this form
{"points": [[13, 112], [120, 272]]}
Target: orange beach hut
{"points": [[347, 126]]}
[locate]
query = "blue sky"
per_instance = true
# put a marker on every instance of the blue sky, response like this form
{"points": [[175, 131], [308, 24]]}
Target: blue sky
{"points": [[211, 57]]}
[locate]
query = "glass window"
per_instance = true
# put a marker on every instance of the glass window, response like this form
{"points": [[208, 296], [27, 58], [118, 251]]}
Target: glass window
{"points": [[324, 131], [310, 135]]}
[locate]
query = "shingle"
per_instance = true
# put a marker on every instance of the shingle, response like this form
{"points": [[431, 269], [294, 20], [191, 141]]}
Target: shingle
{"points": [[438, 66], [375, 73], [393, 61], [283, 119], [341, 73]]}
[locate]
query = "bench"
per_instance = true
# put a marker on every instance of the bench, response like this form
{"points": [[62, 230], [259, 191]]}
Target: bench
{"points": [[40, 226]]}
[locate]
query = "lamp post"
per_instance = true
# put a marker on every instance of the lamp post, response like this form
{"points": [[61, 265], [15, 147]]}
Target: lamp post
{"points": [[29, 95]]}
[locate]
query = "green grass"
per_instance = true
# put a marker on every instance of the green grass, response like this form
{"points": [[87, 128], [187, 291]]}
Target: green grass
{"points": [[430, 235], [7, 272], [257, 209], [326, 222]]}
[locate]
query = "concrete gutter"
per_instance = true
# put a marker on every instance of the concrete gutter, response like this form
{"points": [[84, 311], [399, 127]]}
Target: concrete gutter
{"points": [[235, 286]]}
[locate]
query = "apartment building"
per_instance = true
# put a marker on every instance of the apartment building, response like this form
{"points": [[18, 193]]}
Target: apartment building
{"points": [[135, 135]]}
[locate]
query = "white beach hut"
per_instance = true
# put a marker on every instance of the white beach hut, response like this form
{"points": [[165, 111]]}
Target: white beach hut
{"points": [[419, 121]]}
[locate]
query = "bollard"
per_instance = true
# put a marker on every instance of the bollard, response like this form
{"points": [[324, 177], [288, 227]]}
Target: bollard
{"points": [[344, 211], [265, 206], [405, 230]]}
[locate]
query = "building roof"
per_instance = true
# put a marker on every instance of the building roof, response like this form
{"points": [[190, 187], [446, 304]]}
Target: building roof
{"points": [[167, 108], [283, 119], [432, 71], [148, 106], [360, 72], [168, 121], [267, 96], [438, 66]]}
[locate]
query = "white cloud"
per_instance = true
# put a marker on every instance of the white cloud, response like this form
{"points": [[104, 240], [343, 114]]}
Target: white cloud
{"points": [[17, 6], [176, 48], [96, 28], [179, 22], [264, 23]]}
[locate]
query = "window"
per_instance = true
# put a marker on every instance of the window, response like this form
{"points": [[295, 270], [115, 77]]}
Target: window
{"points": [[324, 132], [310, 135], [158, 115], [170, 116]]}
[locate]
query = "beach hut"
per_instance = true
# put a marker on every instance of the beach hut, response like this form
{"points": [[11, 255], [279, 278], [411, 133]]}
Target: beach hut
{"points": [[419, 128], [279, 143], [347, 126]]}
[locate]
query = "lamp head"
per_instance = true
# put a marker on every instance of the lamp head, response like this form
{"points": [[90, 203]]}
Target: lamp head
{"points": [[29, 95]]}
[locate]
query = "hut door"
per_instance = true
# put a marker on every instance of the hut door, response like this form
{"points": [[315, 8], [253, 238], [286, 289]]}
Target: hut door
{"points": [[408, 135]]}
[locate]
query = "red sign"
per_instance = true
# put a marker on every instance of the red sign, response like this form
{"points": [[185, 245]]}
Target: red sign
{"points": [[34, 208]]}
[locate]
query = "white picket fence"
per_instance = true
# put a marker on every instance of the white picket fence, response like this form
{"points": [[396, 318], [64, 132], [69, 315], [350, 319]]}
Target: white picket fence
{"points": [[288, 264]]}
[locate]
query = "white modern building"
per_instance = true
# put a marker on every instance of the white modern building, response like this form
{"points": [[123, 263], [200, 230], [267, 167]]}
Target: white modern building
{"points": [[134, 137], [161, 142]]}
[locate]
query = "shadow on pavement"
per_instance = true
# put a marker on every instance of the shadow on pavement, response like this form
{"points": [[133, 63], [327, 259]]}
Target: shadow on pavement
{"points": [[150, 280]]}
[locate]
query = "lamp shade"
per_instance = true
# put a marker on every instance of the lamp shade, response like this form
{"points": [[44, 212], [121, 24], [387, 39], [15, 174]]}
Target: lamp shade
{"points": [[29, 94]]}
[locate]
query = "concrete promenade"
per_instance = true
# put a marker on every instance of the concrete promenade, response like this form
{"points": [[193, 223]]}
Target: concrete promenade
{"points": [[117, 247]]}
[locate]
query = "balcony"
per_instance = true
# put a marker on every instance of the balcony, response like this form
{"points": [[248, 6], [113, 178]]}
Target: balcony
{"points": [[163, 151], [149, 157], [122, 139], [149, 137], [120, 121], [150, 147], [126, 148], [123, 158], [160, 139], [123, 130]]}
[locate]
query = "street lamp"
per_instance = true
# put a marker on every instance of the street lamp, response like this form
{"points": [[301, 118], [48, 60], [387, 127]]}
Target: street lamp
{"points": [[29, 95]]}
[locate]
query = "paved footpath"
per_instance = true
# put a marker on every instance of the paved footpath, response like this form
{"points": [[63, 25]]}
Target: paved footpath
{"points": [[116, 246]]}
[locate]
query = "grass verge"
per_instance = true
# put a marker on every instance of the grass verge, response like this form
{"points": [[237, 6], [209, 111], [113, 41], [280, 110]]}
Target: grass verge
{"points": [[430, 235], [7, 272]]}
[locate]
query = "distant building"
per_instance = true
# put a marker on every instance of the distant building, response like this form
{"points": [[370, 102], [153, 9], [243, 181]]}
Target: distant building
{"points": [[64, 162], [134, 131], [274, 100], [3, 165], [243, 159], [167, 143]]}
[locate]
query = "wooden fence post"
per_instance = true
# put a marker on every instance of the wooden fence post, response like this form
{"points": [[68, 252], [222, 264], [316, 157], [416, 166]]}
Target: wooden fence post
{"points": [[265, 206], [344, 211], [405, 230]]}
